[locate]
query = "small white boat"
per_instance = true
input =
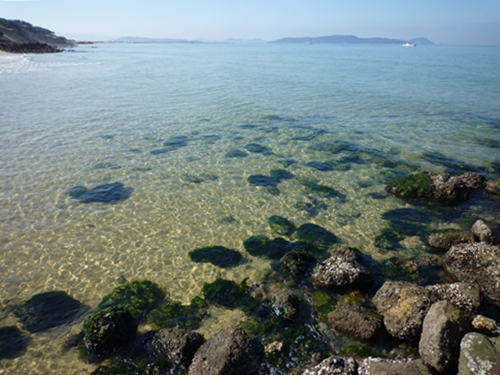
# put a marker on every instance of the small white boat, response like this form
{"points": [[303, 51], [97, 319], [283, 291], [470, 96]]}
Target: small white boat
{"points": [[408, 44]]}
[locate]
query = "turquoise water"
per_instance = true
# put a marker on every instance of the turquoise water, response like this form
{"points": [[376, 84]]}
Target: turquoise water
{"points": [[95, 115]]}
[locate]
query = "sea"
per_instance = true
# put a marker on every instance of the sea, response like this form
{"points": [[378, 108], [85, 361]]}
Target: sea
{"points": [[181, 128]]}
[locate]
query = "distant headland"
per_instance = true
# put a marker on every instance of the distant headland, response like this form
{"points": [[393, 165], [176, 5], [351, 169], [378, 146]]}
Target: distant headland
{"points": [[349, 39], [22, 37]]}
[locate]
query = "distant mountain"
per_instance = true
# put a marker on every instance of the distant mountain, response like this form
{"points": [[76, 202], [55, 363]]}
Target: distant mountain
{"points": [[421, 41], [339, 39], [24, 32], [135, 39]]}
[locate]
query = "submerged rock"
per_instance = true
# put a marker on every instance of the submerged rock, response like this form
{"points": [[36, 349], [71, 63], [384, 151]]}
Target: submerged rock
{"points": [[177, 346], [476, 263], [298, 263], [322, 190], [341, 269], [354, 321], [320, 166], [334, 366], [47, 310], [218, 255], [479, 354], [12, 342], [191, 178], [315, 235], [484, 233], [261, 180], [446, 239], [443, 329], [261, 246], [281, 225], [231, 351], [108, 331], [258, 149], [106, 193], [404, 307], [236, 154], [170, 314], [136, 297], [281, 174]]}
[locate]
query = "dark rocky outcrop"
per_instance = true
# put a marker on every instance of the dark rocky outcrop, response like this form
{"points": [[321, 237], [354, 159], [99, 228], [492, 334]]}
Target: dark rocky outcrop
{"points": [[354, 321], [49, 309], [29, 48], [229, 352], [177, 346], [443, 328], [445, 240], [493, 187], [403, 306], [334, 366], [476, 263], [442, 188], [380, 366], [341, 269], [479, 354], [108, 332], [284, 304]]}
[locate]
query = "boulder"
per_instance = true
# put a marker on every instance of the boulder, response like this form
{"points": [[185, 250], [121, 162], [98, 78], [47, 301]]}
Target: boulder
{"points": [[177, 346], [354, 321], [464, 296], [403, 306], [284, 304], [484, 233], [449, 188], [297, 263], [218, 255], [477, 263], [479, 354], [473, 180], [229, 352], [485, 325], [341, 269], [334, 366], [443, 329], [380, 366], [493, 187], [108, 331], [445, 240]]}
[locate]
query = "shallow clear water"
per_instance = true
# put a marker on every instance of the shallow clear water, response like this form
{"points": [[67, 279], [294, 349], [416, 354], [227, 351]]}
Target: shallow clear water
{"points": [[94, 116]]}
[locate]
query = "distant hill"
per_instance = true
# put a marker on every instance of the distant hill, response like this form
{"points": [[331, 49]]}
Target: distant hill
{"points": [[24, 32], [421, 41], [342, 39]]}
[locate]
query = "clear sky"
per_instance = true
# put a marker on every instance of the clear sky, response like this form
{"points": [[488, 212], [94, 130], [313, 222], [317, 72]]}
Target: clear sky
{"points": [[442, 21]]}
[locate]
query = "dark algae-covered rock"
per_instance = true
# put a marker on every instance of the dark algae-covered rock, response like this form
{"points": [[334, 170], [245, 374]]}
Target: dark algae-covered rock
{"points": [[137, 297], [417, 185], [47, 310], [106, 193], [297, 263], [12, 342], [231, 295], [281, 225], [218, 255], [108, 331], [315, 235], [444, 240], [177, 346], [322, 190], [173, 314], [261, 246], [229, 352], [236, 154], [191, 178], [281, 174], [354, 321], [320, 166]]}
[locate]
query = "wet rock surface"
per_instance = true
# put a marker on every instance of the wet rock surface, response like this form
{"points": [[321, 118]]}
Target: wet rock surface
{"points": [[354, 321], [445, 240], [464, 296], [334, 366], [483, 233], [341, 269], [403, 306], [379, 366], [476, 263], [479, 354], [231, 351], [443, 328]]}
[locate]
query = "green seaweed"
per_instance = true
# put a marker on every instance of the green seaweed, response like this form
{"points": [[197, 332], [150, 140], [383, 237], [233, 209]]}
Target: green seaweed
{"points": [[137, 297], [322, 303], [261, 246], [315, 235], [173, 314], [417, 185], [281, 225], [231, 295], [261, 180], [281, 174]]}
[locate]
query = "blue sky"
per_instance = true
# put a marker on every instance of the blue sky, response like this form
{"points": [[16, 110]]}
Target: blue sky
{"points": [[442, 21]]}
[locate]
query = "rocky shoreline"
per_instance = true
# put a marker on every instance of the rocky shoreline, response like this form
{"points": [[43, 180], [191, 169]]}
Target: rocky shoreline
{"points": [[29, 48], [324, 309]]}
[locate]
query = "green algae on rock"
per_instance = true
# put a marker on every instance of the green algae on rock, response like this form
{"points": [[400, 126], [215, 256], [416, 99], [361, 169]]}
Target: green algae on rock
{"points": [[137, 297], [106, 193], [108, 332], [261, 180], [173, 314], [231, 295], [47, 310], [281, 174], [281, 225], [218, 255], [258, 149], [236, 154], [315, 235], [417, 185]]}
